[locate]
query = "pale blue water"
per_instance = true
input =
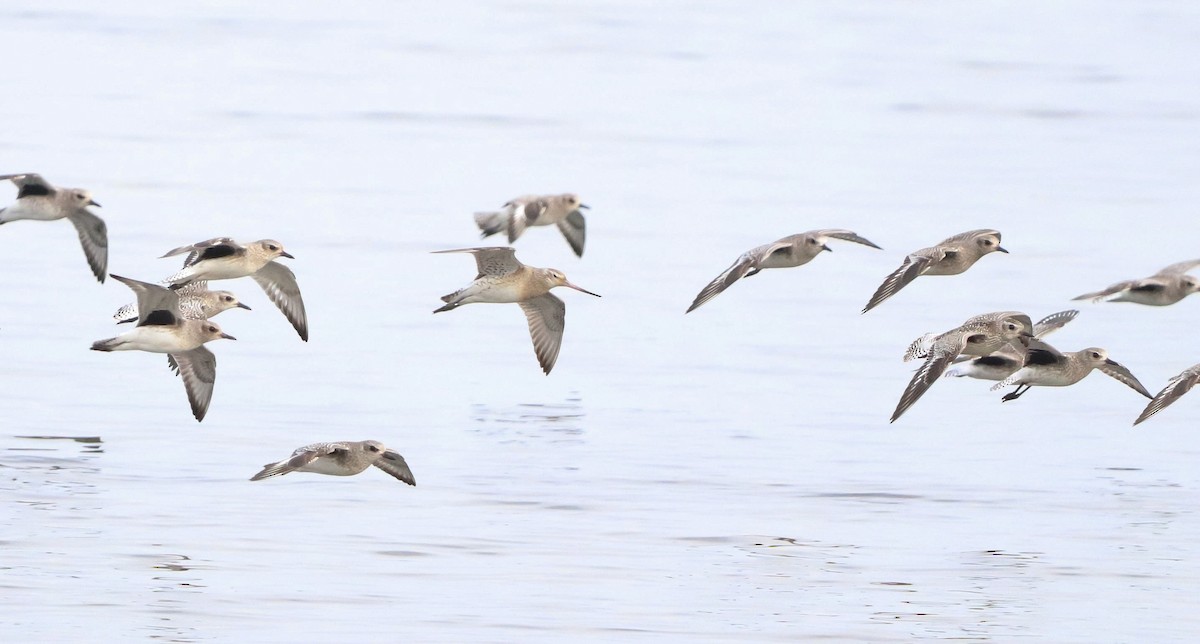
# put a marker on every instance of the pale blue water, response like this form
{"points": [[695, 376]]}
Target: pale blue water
{"points": [[728, 475]]}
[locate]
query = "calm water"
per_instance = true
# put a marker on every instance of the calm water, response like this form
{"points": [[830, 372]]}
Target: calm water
{"points": [[725, 476]]}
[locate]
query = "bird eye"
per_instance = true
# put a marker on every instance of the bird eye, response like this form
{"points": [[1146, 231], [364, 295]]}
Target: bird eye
{"points": [[373, 448], [228, 298], [212, 329], [1095, 355]]}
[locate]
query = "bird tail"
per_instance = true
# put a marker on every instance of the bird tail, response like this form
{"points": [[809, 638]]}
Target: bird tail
{"points": [[127, 313], [490, 222], [110, 344], [920, 347]]}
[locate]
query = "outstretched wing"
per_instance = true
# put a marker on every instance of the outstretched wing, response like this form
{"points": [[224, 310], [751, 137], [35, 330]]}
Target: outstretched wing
{"points": [[491, 260], [574, 228], [93, 236], [1053, 322], [940, 357], [279, 282], [393, 463], [740, 268], [844, 235], [198, 368], [1176, 388], [156, 305], [1179, 268], [1118, 372], [547, 316], [914, 265], [299, 458], [30, 184]]}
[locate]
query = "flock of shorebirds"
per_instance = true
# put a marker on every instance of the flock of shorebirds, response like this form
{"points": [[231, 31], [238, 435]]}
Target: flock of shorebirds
{"points": [[174, 317]]}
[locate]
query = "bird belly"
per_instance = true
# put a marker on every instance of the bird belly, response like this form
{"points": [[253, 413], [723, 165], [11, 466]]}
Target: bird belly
{"points": [[37, 210], [153, 339], [326, 465]]}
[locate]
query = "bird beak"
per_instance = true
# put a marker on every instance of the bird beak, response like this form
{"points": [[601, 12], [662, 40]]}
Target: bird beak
{"points": [[1110, 361], [243, 306], [585, 206], [1001, 249], [227, 336], [582, 290], [824, 247], [1026, 334], [289, 255], [92, 202]]}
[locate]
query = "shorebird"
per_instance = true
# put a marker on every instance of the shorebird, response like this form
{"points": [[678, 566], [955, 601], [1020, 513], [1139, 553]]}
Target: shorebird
{"points": [[1163, 288], [793, 250], [537, 210], [1177, 387], [1006, 360], [978, 336], [37, 199], [222, 258], [346, 458], [196, 302], [950, 257], [1045, 366], [162, 328], [504, 279]]}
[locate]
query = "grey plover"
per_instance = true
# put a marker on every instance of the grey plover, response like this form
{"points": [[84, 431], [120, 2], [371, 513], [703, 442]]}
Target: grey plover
{"points": [[38, 200], [1001, 363], [1045, 366], [345, 458], [1176, 387], [222, 258], [161, 328], [196, 302], [979, 336], [1163, 288], [793, 250], [504, 279], [951, 256], [538, 210]]}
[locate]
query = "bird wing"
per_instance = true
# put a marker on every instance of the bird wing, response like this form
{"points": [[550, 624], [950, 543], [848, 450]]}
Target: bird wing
{"points": [[1177, 387], [547, 318], [1124, 376], [967, 236], [844, 235], [393, 463], [491, 260], [299, 458], [1053, 322], [524, 214], [744, 263], [1179, 268], [30, 184], [941, 355], [1115, 288], [574, 228], [225, 246], [156, 305], [914, 265], [93, 236], [198, 368], [279, 282]]}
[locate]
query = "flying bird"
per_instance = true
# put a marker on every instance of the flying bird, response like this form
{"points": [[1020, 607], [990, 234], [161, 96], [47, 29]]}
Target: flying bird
{"points": [[951, 256], [38, 200], [793, 250], [504, 279]]}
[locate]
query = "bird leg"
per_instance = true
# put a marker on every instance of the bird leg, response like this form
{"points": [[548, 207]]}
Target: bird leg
{"points": [[1015, 394]]}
